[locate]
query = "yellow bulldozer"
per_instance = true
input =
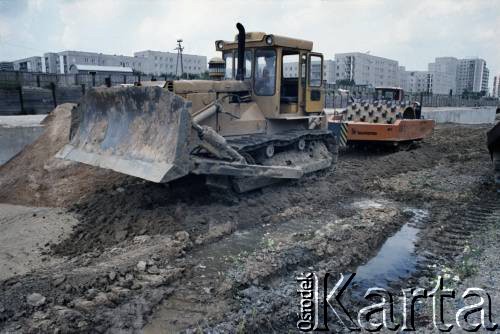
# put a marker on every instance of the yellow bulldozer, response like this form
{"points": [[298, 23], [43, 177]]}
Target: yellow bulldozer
{"points": [[255, 127]]}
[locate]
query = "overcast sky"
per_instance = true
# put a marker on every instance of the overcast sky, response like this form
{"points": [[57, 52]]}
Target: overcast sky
{"points": [[412, 32]]}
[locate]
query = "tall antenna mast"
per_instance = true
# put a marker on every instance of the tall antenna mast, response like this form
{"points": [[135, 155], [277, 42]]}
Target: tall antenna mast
{"points": [[179, 49]]}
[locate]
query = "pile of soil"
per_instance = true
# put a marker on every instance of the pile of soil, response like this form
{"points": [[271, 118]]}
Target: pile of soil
{"points": [[36, 177]]}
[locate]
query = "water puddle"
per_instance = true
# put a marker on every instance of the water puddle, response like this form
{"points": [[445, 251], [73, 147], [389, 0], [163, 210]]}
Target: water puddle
{"points": [[214, 262], [369, 204], [396, 260]]}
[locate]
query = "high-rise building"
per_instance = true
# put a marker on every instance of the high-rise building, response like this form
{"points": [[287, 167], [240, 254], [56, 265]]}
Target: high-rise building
{"points": [[444, 73], [472, 76], [366, 69], [496, 86]]}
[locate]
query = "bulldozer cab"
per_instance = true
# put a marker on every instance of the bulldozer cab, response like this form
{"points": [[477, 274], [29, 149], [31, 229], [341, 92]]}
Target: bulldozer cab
{"points": [[389, 94], [284, 75]]}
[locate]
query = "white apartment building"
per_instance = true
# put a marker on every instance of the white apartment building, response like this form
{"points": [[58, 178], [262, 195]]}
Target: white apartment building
{"points": [[31, 64], [61, 62], [447, 75], [159, 62], [443, 83], [496, 86], [444, 72], [472, 75], [366, 69], [416, 81], [290, 70], [148, 62], [329, 69]]}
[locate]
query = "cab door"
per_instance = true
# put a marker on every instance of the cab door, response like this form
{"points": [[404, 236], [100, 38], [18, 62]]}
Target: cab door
{"points": [[315, 99]]}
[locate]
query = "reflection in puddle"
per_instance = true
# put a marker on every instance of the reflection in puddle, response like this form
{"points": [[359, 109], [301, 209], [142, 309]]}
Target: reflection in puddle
{"points": [[368, 203], [396, 259]]}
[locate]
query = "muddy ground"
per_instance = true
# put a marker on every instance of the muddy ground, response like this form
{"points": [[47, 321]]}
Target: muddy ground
{"points": [[170, 258]]}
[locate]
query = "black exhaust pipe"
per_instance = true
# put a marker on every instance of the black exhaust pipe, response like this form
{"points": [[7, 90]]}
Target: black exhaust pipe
{"points": [[240, 74]]}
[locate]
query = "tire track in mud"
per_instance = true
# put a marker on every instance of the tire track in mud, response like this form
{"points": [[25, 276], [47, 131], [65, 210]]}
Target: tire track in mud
{"points": [[309, 242], [447, 242], [443, 246]]}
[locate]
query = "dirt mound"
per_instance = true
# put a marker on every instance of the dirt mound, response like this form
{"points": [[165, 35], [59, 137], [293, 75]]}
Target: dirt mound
{"points": [[35, 177]]}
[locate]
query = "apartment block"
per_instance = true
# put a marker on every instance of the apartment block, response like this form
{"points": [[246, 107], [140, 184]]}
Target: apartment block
{"points": [[496, 86], [31, 64], [6, 66], [61, 62], [159, 62], [366, 69], [472, 75], [290, 70], [444, 71], [149, 62], [416, 81]]}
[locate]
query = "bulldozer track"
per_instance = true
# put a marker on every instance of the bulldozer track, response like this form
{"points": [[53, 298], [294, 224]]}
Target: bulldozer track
{"points": [[256, 142]]}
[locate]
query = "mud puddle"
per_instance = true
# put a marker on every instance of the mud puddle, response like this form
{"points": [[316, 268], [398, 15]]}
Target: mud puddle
{"points": [[397, 259]]}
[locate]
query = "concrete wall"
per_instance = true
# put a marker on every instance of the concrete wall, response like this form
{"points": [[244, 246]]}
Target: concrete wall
{"points": [[16, 132], [466, 115]]}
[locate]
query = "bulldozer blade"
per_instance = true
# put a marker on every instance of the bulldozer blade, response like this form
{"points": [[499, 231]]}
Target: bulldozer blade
{"points": [[139, 131]]}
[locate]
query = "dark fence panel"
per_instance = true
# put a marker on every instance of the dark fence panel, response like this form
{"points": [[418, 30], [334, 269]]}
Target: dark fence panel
{"points": [[68, 94], [37, 100], [44, 80], [10, 101]]}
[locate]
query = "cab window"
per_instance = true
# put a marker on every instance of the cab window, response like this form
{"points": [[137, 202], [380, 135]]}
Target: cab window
{"points": [[248, 64], [265, 72], [387, 94], [315, 70], [228, 58]]}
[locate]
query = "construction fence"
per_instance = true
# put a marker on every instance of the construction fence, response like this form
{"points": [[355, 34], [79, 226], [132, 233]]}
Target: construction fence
{"points": [[338, 96], [38, 93], [43, 80], [35, 100]]}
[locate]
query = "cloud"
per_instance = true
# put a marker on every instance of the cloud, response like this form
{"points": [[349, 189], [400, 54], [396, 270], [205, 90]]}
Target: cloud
{"points": [[12, 8], [412, 32]]}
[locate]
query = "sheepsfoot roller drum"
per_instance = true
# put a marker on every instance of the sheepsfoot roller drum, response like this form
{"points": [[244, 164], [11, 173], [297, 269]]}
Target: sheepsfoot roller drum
{"points": [[387, 120]]}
